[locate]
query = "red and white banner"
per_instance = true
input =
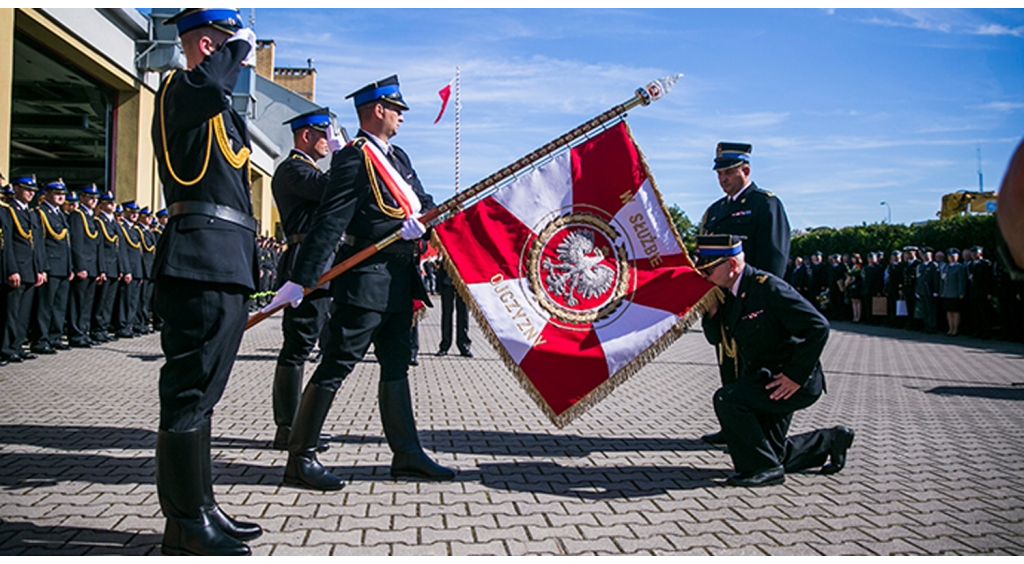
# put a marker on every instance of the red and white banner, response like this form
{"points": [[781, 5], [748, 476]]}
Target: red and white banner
{"points": [[576, 273]]}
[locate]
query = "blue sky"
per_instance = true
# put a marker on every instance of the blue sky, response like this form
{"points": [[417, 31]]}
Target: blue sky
{"points": [[845, 108]]}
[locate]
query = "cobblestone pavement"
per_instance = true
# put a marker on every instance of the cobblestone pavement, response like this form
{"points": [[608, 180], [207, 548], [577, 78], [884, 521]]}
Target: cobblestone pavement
{"points": [[937, 466]]}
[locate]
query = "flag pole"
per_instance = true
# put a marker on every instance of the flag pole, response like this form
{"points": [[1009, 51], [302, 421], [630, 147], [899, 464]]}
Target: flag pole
{"points": [[643, 96], [458, 130]]}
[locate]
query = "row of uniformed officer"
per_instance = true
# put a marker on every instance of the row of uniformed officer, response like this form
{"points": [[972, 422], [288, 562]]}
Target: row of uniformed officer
{"points": [[69, 240]]}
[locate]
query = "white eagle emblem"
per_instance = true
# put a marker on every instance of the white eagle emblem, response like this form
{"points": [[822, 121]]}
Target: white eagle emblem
{"points": [[580, 271]]}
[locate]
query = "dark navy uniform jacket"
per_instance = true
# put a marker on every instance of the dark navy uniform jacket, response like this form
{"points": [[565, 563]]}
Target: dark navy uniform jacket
{"points": [[131, 249], [760, 217], [27, 252], [6, 249], [389, 280], [298, 187], [86, 242], [191, 106], [56, 249], [772, 327], [111, 259]]}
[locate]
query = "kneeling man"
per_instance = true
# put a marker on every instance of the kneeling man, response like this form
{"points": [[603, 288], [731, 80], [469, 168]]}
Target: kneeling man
{"points": [[775, 338]]}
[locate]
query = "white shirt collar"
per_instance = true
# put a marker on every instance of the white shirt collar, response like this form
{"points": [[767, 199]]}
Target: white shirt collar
{"points": [[740, 193], [735, 289], [383, 145]]}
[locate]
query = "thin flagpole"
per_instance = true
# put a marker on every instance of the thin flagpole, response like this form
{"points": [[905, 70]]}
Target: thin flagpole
{"points": [[458, 130]]}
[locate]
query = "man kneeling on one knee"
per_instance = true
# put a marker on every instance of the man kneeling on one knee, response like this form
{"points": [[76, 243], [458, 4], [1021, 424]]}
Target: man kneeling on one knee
{"points": [[775, 338]]}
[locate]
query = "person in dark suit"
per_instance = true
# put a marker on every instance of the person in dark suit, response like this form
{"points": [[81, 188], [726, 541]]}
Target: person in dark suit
{"points": [[750, 212], [27, 272], [52, 297], [204, 271], [112, 266], [128, 292], [86, 247], [980, 289], [774, 338], [141, 323], [373, 192], [451, 302], [7, 262], [298, 187]]}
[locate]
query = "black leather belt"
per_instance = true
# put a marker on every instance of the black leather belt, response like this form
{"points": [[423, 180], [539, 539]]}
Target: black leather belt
{"points": [[295, 239], [231, 215]]}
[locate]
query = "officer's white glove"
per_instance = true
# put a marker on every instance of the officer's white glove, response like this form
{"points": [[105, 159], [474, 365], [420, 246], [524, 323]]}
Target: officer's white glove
{"points": [[412, 229], [333, 142], [290, 293], [249, 36]]}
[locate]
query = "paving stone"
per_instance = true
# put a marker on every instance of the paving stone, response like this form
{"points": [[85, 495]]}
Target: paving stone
{"points": [[937, 468]]}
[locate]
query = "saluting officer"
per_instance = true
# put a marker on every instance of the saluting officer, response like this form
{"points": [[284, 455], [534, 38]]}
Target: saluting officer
{"points": [[774, 337], [86, 258], [27, 271], [373, 192], [750, 212], [52, 297], [204, 269], [298, 186]]}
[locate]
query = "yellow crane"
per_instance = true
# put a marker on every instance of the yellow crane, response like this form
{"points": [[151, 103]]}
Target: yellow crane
{"points": [[965, 201]]}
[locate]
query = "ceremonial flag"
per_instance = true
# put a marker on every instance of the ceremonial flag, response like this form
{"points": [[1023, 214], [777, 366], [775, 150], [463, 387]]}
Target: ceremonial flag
{"points": [[444, 93], [576, 273]]}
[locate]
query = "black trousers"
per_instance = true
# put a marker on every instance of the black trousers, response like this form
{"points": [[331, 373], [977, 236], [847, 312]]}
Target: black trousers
{"points": [[451, 301], [106, 295], [19, 310], [203, 327], [352, 330], [301, 327], [51, 310], [127, 305], [145, 303], [755, 427], [80, 308]]}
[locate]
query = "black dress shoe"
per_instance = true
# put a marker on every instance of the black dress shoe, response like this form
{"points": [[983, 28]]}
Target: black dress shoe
{"points": [[837, 454], [442, 353], [28, 356], [43, 349], [413, 362], [83, 344], [124, 334], [770, 477], [61, 347], [466, 354], [717, 439]]}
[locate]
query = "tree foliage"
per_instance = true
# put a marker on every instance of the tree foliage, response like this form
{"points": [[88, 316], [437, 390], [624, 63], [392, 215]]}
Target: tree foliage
{"points": [[960, 232], [687, 230]]}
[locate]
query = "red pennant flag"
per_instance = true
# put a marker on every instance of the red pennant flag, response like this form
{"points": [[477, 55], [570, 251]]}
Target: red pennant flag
{"points": [[444, 93], [576, 273]]}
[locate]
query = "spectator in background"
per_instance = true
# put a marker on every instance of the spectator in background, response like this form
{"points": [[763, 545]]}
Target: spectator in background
{"points": [[953, 287]]}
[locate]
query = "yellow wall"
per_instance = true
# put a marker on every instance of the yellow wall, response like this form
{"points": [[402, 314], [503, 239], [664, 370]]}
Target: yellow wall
{"points": [[6, 83]]}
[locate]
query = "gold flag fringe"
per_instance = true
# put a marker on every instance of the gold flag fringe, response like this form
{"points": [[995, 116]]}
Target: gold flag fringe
{"points": [[561, 420]]}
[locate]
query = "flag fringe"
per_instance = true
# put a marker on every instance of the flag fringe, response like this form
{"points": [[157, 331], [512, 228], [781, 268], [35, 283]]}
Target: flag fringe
{"points": [[561, 420]]}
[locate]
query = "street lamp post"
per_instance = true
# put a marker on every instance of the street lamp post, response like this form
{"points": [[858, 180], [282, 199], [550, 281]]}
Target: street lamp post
{"points": [[887, 207]]}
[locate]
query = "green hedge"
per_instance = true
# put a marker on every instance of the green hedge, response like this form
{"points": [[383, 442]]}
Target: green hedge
{"points": [[960, 232]]}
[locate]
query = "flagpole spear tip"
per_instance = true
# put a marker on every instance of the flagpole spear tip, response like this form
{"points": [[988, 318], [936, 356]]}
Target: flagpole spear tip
{"points": [[657, 88]]}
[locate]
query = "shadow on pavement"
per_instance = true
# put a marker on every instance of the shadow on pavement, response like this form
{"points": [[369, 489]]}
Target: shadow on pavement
{"points": [[981, 345], [988, 392], [28, 539], [502, 443]]}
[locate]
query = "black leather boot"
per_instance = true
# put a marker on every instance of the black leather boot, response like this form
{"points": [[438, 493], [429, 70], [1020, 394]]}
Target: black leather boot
{"points": [[287, 389], [303, 469], [180, 487], [400, 429], [236, 529]]}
